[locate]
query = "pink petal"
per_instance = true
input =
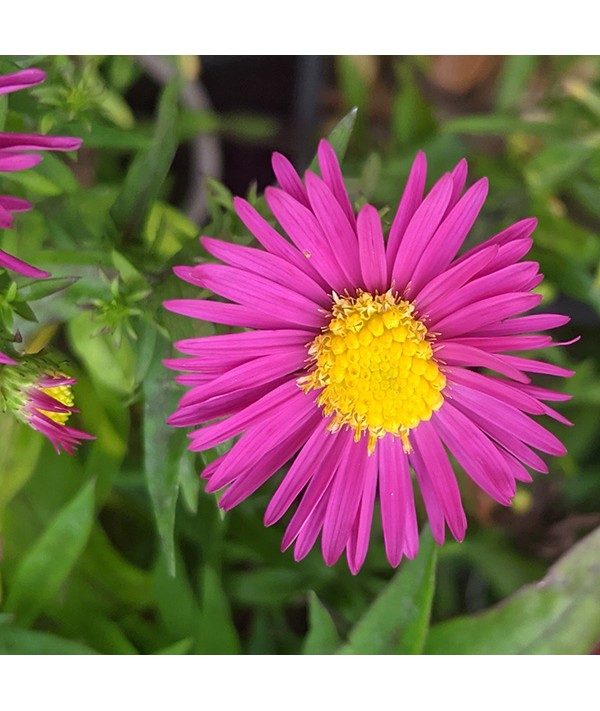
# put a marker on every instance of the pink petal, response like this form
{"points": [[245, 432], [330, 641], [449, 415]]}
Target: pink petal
{"points": [[288, 178], [332, 175], [419, 231], [371, 249], [410, 201]]}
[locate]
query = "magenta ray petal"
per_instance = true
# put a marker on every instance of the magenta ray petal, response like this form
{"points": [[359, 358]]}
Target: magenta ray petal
{"points": [[271, 240], [336, 227], [454, 353], [7, 360], [499, 344], [476, 454], [344, 501], [250, 374], [332, 175], [410, 201], [220, 405], [459, 178], [536, 366], [35, 142], [334, 460], [435, 467], [7, 261], [258, 294], [445, 243], [254, 343], [521, 230], [509, 418], [398, 515], [11, 162], [217, 432], [270, 266], [288, 178], [503, 436], [510, 279], [306, 233], [526, 324], [21, 80], [371, 249], [6, 218], [419, 231], [309, 532], [512, 394], [301, 471], [14, 204], [356, 550], [253, 478], [261, 438], [485, 312], [445, 284], [228, 314]]}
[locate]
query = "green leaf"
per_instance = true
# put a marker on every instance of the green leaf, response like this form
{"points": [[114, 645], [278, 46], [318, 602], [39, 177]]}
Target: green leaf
{"points": [[165, 449], [340, 136], [109, 365], [322, 637], [516, 72], [148, 170], [558, 615], [493, 124], [15, 640], [216, 633], [397, 622], [18, 461], [48, 563], [557, 164], [181, 647], [353, 85], [40, 288]]}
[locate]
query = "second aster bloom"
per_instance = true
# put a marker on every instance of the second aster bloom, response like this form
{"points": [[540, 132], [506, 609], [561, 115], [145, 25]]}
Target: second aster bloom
{"points": [[40, 395], [362, 359], [19, 151]]}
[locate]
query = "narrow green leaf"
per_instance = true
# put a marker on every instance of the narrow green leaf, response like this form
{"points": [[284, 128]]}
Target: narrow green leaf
{"points": [[216, 633], [15, 640], [322, 637], [557, 164], [48, 563], [340, 136], [149, 169], [494, 124], [181, 647], [558, 615], [397, 622], [18, 461], [44, 287], [164, 447], [176, 601], [516, 72]]}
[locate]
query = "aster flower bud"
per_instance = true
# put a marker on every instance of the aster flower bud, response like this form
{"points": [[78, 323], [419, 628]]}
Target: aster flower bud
{"points": [[40, 395]]}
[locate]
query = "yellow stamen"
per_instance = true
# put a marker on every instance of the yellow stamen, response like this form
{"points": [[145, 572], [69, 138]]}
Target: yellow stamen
{"points": [[64, 395], [375, 367]]}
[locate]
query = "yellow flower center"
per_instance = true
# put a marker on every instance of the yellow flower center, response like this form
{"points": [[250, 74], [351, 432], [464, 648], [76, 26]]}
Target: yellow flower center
{"points": [[375, 366], [64, 395]]}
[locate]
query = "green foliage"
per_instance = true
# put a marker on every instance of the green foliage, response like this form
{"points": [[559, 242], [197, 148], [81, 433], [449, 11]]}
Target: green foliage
{"points": [[558, 615], [398, 620]]}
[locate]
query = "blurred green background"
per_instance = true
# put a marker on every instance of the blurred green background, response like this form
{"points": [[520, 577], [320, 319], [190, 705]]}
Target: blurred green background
{"points": [[118, 550]]}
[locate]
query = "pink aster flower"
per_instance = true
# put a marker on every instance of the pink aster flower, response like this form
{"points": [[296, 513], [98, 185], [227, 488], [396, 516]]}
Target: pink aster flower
{"points": [[362, 359], [41, 397], [19, 151]]}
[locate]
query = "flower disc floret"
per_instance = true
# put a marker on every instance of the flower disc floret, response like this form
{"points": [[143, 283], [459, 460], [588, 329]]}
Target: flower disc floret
{"points": [[375, 368]]}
